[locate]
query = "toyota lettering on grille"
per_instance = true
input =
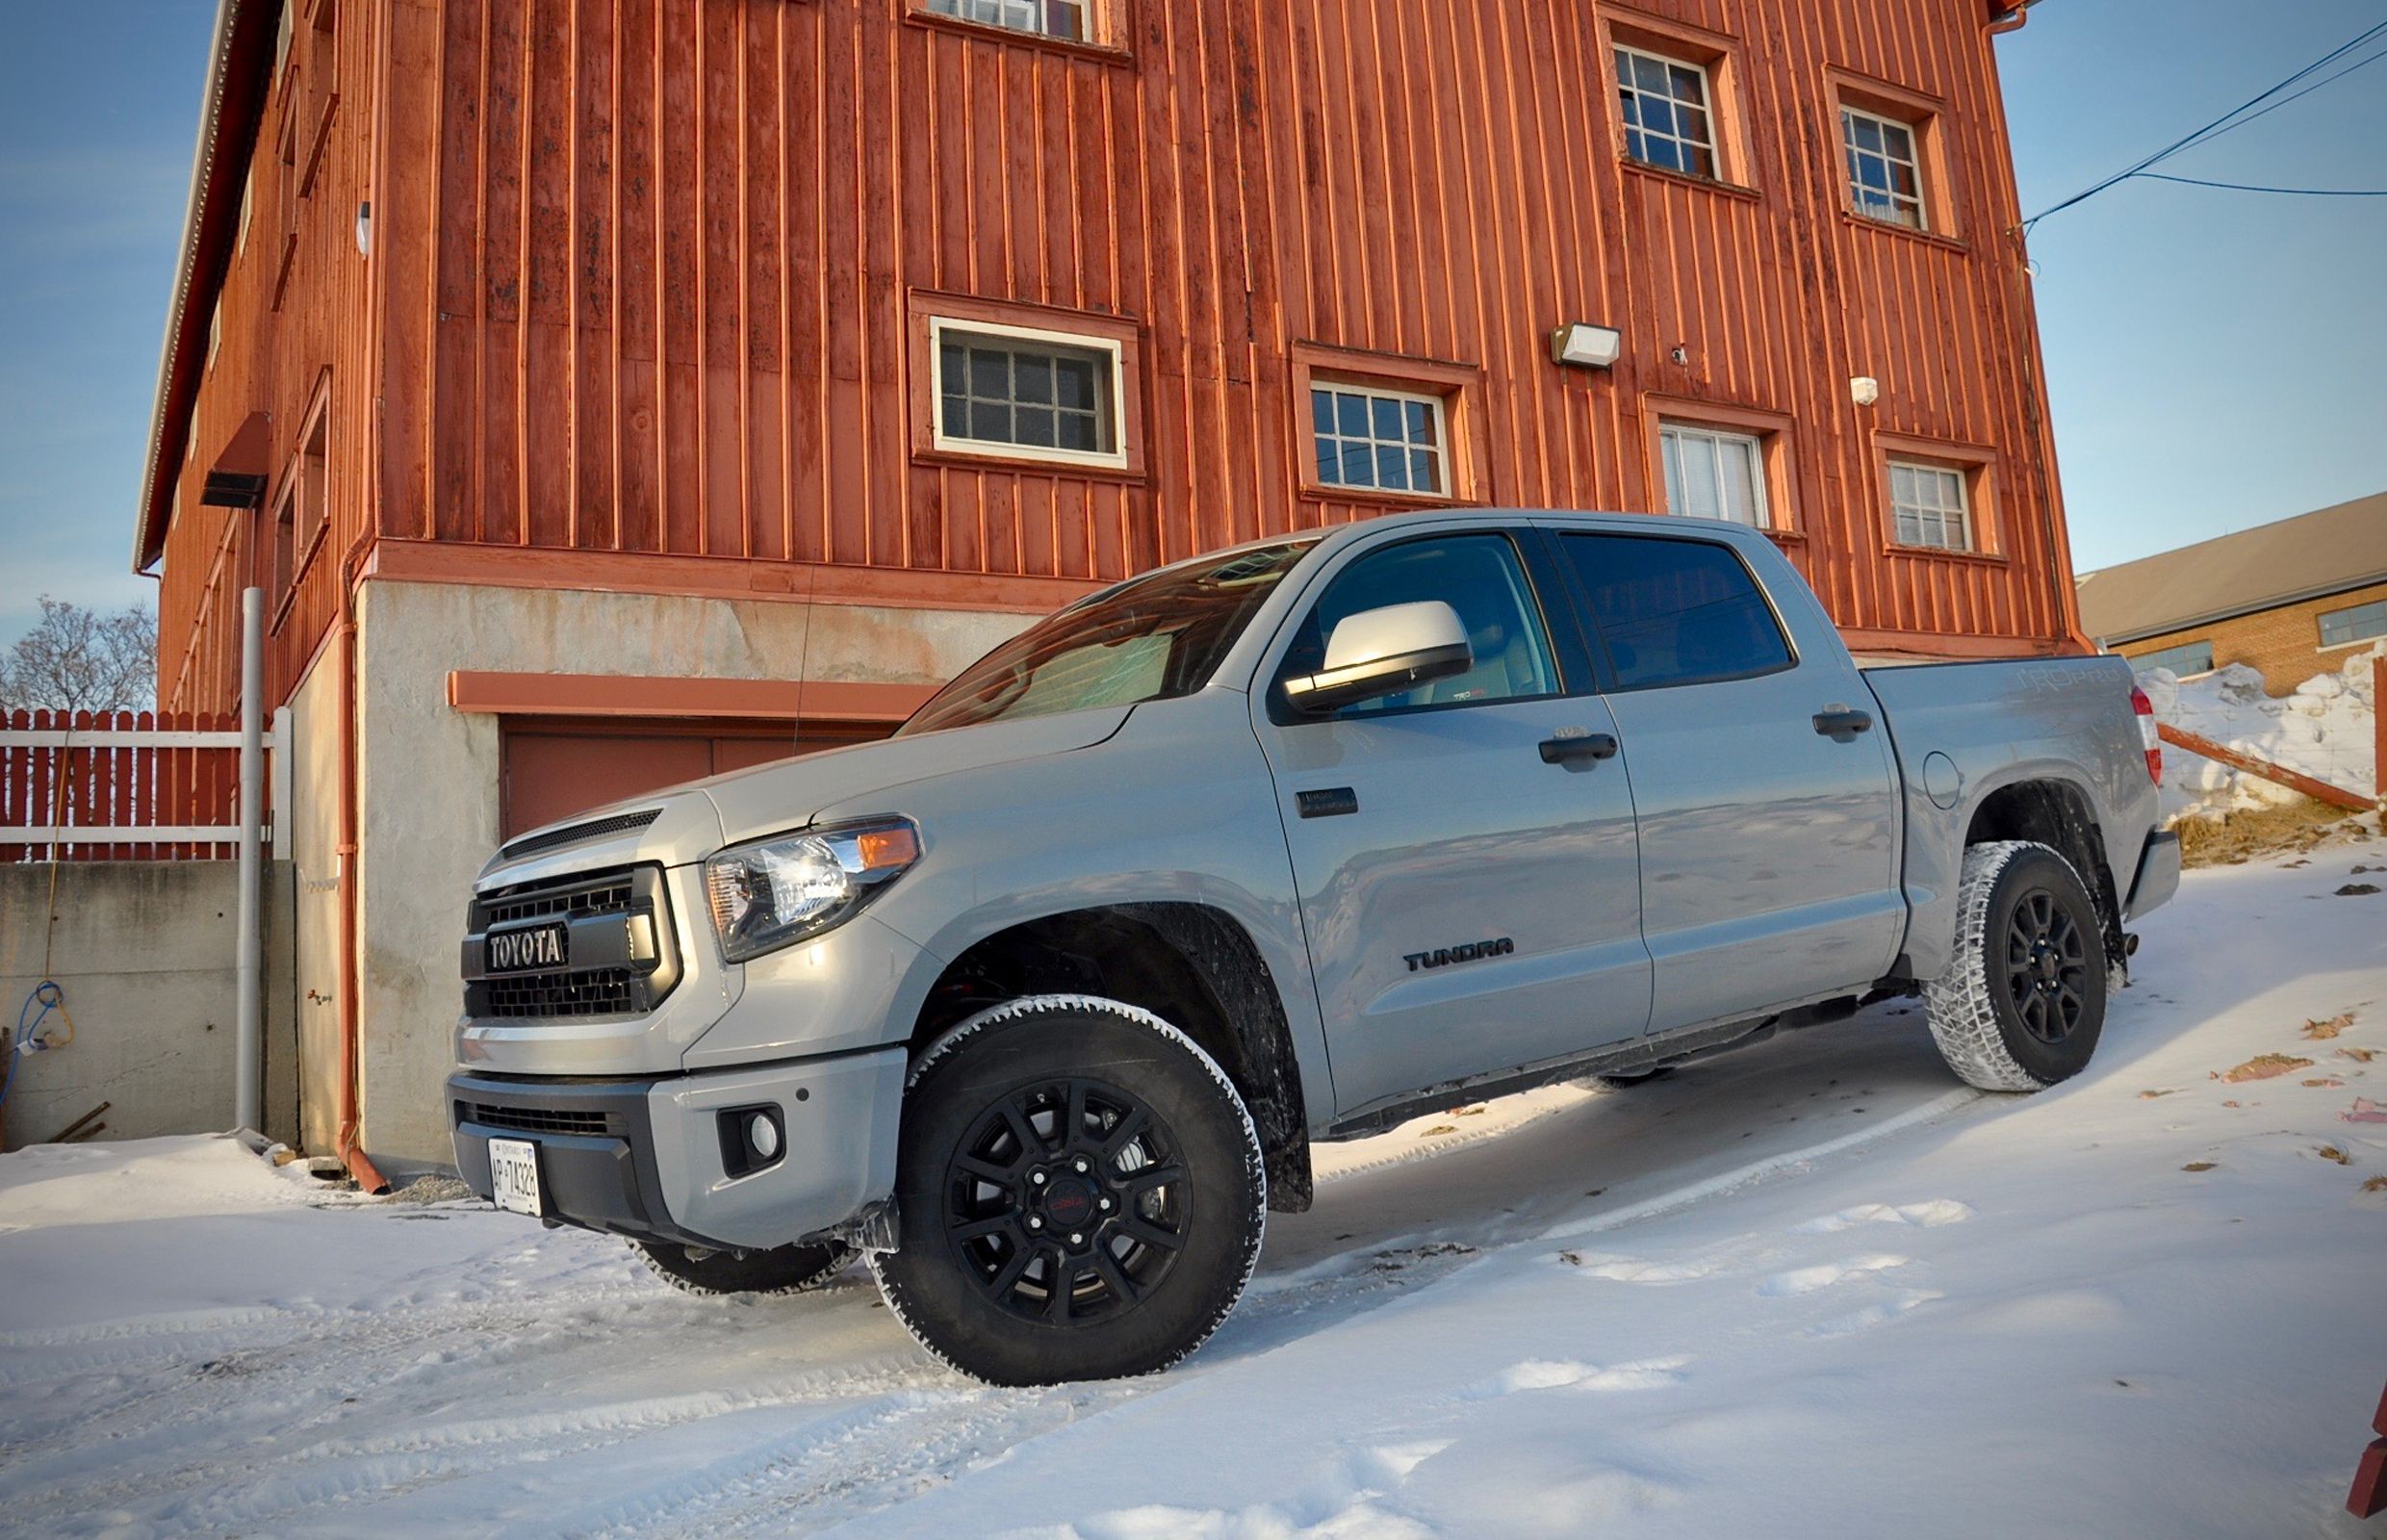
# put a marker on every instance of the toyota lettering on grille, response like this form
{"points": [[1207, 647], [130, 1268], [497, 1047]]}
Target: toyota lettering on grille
{"points": [[528, 950]]}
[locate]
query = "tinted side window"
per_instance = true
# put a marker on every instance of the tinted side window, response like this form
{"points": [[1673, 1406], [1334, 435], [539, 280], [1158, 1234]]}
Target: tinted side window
{"points": [[1479, 576], [1676, 611]]}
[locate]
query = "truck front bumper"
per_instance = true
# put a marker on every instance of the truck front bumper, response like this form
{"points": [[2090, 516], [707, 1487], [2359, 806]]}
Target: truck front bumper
{"points": [[648, 1158]]}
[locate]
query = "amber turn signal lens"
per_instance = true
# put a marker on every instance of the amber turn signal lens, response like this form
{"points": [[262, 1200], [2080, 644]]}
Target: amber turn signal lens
{"points": [[882, 848]]}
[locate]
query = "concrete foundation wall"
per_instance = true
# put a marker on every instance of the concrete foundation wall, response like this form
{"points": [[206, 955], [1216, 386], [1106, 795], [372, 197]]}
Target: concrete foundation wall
{"points": [[430, 773], [143, 951]]}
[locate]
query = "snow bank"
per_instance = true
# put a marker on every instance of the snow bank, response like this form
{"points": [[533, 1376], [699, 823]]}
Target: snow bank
{"points": [[2326, 730], [1812, 1288]]}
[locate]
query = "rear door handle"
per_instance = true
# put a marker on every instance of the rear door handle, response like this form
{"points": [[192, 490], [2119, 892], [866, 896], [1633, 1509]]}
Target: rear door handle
{"points": [[1842, 725], [1588, 746]]}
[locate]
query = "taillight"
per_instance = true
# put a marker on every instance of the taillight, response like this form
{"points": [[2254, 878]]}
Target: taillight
{"points": [[2150, 738]]}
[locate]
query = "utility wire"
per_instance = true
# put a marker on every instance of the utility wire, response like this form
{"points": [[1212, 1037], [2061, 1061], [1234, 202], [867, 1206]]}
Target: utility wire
{"points": [[2296, 96], [2219, 125], [2244, 187]]}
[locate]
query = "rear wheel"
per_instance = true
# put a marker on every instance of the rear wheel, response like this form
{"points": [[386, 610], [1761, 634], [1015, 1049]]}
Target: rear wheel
{"points": [[2023, 1002], [784, 1269], [1081, 1194]]}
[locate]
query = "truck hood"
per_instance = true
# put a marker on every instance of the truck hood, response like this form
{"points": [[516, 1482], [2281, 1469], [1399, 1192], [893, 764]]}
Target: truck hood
{"points": [[690, 822], [770, 799]]}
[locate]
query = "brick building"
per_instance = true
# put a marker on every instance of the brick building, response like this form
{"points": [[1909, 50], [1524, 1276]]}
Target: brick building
{"points": [[605, 392], [2290, 598]]}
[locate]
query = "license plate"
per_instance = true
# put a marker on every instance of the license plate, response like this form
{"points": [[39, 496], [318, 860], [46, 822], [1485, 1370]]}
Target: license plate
{"points": [[514, 1176], [532, 949]]}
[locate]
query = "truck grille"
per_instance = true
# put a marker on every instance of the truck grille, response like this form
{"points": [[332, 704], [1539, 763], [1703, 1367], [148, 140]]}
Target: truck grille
{"points": [[535, 1120], [603, 992], [602, 976]]}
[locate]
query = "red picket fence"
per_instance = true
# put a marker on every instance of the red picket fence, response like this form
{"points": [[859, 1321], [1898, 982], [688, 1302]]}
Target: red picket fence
{"points": [[116, 772]]}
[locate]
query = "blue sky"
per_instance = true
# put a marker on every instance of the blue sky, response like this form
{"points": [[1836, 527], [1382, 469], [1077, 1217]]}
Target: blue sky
{"points": [[2216, 359]]}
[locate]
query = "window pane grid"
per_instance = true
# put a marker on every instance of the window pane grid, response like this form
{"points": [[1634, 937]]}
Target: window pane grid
{"points": [[1029, 395], [1379, 439], [1715, 474], [1929, 506], [2189, 658], [1050, 18], [1666, 114], [2340, 627], [1884, 176]]}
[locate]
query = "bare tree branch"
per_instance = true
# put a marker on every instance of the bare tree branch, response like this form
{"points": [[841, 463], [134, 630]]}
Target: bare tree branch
{"points": [[79, 659]]}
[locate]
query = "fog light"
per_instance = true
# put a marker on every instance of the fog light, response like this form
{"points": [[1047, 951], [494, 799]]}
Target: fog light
{"points": [[753, 1139]]}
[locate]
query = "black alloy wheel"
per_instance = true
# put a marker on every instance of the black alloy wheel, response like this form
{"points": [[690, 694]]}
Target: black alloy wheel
{"points": [[1065, 1202], [1079, 1193], [2046, 966]]}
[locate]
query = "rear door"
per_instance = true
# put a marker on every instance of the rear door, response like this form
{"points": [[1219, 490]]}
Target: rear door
{"points": [[1470, 906], [1769, 859]]}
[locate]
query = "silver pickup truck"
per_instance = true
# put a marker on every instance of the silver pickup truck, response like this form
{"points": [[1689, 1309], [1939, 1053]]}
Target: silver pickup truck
{"points": [[1039, 1004]]}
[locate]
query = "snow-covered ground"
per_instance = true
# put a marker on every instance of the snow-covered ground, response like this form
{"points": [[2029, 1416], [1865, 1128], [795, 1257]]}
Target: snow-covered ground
{"points": [[2326, 729], [1810, 1289]]}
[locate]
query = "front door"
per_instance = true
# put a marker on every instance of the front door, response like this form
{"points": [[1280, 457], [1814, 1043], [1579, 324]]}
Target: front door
{"points": [[1769, 847], [1470, 906]]}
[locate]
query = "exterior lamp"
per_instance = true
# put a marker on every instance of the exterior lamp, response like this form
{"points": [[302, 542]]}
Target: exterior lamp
{"points": [[1585, 345]]}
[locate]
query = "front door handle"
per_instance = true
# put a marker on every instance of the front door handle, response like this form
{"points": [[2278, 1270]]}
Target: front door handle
{"points": [[1842, 725], [1588, 746]]}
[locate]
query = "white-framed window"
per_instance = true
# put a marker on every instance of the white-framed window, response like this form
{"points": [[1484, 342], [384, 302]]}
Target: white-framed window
{"points": [[1713, 473], [1885, 170], [1669, 119], [2359, 623], [1024, 394], [1050, 18], [2185, 659], [1382, 440], [1930, 505]]}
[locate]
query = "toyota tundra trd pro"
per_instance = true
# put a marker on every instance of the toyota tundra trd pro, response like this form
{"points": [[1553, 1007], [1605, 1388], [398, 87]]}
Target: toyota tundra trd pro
{"points": [[1039, 1004]]}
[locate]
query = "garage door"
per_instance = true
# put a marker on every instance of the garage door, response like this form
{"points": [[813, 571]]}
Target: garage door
{"points": [[554, 769]]}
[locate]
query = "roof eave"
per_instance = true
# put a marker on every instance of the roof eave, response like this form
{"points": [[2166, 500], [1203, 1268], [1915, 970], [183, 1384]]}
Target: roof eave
{"points": [[236, 72], [2214, 617]]}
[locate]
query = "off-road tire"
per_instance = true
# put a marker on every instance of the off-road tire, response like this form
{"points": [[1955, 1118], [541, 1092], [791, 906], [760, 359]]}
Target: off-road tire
{"points": [[784, 1269], [1016, 1305], [1977, 1006]]}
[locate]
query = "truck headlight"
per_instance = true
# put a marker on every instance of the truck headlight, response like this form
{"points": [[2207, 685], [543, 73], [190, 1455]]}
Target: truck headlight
{"points": [[777, 891]]}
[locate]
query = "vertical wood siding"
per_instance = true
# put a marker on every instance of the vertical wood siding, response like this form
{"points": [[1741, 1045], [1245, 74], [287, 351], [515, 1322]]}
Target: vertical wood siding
{"points": [[273, 361], [648, 263]]}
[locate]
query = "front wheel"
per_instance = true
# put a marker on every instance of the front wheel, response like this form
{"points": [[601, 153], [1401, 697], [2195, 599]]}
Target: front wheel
{"points": [[2022, 1000], [1081, 1194]]}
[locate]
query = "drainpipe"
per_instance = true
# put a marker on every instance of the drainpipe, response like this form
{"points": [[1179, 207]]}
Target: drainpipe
{"points": [[2063, 593], [351, 1112], [248, 1033]]}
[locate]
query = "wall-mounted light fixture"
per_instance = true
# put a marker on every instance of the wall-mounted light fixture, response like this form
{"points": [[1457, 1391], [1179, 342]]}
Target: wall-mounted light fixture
{"points": [[363, 229], [1585, 345], [1865, 390]]}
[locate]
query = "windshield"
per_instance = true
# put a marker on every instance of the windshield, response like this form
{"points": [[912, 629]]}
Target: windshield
{"points": [[1152, 639]]}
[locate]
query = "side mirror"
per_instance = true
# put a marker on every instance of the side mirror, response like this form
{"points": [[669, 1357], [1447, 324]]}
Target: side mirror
{"points": [[1383, 652]]}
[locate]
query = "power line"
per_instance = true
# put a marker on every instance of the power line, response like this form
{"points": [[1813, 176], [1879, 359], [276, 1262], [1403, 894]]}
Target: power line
{"points": [[2213, 129], [2298, 96], [2244, 187]]}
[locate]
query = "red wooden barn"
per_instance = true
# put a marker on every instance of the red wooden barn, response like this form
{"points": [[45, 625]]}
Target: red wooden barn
{"points": [[603, 390]]}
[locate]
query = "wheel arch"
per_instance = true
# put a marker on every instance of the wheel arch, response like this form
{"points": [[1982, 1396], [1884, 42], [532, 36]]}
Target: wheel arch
{"points": [[1192, 964], [2056, 813]]}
